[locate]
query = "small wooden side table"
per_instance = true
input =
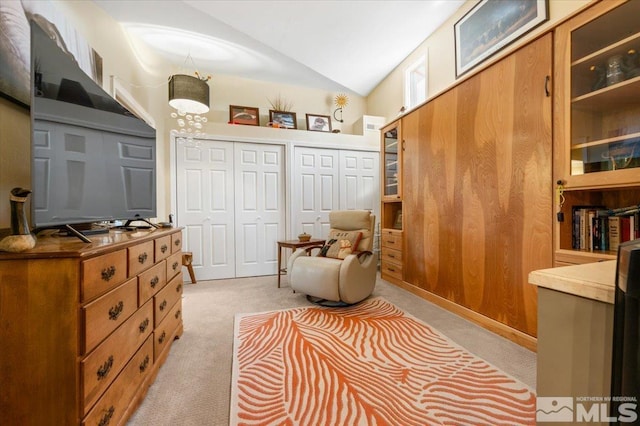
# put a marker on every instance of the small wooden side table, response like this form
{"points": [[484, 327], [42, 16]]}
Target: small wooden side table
{"points": [[293, 244]]}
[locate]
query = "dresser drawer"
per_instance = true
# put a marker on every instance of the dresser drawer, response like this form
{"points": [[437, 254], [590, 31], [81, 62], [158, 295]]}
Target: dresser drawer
{"points": [[174, 264], [113, 404], [102, 365], [391, 240], [176, 242], [105, 314], [140, 257], [162, 247], [166, 298], [102, 273], [392, 269], [151, 281], [391, 255], [166, 331]]}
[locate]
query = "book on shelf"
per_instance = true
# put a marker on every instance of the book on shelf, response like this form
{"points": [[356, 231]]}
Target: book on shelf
{"points": [[614, 232], [600, 233]]}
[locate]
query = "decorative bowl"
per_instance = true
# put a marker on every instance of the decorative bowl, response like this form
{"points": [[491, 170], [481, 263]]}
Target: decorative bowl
{"points": [[304, 237]]}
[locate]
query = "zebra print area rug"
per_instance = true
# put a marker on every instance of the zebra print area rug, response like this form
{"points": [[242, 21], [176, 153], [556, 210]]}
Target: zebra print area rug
{"points": [[368, 364]]}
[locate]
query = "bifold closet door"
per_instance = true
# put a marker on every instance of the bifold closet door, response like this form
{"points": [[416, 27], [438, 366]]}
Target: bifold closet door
{"points": [[259, 207], [230, 199], [205, 200], [331, 179], [360, 181], [315, 190]]}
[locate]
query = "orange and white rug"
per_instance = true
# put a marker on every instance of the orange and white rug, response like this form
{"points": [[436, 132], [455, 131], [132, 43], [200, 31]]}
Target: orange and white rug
{"points": [[368, 364]]}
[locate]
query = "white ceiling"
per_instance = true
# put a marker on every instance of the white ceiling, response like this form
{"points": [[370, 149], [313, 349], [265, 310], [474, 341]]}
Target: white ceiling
{"points": [[349, 45]]}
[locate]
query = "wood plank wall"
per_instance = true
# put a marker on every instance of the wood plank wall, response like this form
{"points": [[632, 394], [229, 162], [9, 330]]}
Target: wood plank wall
{"points": [[478, 193]]}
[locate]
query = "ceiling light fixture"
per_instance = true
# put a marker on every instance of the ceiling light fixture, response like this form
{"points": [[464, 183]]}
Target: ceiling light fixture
{"points": [[190, 96]]}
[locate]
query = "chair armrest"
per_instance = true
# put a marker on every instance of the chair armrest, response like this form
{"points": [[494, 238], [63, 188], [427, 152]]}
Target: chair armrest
{"points": [[363, 253], [308, 249]]}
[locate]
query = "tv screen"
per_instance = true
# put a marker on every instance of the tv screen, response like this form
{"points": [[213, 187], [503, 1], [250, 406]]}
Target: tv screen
{"points": [[92, 160]]}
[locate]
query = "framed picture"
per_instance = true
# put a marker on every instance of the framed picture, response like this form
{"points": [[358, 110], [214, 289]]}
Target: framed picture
{"points": [[249, 116], [283, 119], [318, 123], [492, 25]]}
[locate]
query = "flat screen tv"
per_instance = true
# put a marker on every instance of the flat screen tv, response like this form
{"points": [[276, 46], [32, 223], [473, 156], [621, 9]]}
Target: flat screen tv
{"points": [[92, 160]]}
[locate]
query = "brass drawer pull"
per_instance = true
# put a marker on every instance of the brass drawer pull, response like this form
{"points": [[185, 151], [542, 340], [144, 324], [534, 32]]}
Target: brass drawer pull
{"points": [[143, 325], [107, 416], [163, 248], [162, 337], [115, 311], [178, 288], [108, 273], [391, 269], [106, 367], [154, 281], [144, 364], [143, 257], [391, 256], [177, 242], [175, 265], [163, 305], [178, 312]]}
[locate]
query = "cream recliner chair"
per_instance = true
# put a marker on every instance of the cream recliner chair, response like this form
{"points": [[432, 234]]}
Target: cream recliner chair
{"points": [[334, 281]]}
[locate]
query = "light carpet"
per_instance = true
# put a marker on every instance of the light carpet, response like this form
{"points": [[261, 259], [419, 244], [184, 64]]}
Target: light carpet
{"points": [[370, 363]]}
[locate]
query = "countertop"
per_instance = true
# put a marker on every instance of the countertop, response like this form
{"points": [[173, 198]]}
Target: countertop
{"points": [[591, 280]]}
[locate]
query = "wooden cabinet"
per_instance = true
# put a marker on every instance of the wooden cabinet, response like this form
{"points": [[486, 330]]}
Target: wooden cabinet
{"points": [[476, 195], [392, 147], [392, 161], [597, 129], [86, 326]]}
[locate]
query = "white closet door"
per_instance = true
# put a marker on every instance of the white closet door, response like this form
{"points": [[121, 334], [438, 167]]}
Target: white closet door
{"points": [[260, 207], [205, 190], [315, 190], [360, 181]]}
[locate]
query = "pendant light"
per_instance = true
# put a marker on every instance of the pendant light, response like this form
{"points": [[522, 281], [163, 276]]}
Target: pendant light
{"points": [[189, 94]]}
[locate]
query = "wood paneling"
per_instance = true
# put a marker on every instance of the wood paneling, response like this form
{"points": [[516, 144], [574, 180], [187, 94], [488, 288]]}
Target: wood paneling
{"points": [[477, 201]]}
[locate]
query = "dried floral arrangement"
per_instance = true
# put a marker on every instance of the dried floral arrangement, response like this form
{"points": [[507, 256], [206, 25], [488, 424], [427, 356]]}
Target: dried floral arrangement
{"points": [[279, 103]]}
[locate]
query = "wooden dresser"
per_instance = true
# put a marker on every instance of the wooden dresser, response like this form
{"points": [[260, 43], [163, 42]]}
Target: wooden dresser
{"points": [[84, 327]]}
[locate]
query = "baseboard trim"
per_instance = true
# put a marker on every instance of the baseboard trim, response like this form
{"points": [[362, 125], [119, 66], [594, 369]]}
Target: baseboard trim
{"points": [[494, 326]]}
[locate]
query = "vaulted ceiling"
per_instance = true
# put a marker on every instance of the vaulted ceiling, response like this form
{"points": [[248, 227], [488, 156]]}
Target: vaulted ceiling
{"points": [[349, 45]]}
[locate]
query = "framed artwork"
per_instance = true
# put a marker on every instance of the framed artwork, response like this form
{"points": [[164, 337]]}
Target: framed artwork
{"points": [[17, 68], [493, 24], [318, 123], [283, 119], [249, 116]]}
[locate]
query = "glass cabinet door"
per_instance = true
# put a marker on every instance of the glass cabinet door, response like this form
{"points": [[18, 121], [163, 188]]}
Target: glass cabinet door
{"points": [[391, 161], [605, 92]]}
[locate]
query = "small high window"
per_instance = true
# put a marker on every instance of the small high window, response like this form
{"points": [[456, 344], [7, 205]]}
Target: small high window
{"points": [[415, 83]]}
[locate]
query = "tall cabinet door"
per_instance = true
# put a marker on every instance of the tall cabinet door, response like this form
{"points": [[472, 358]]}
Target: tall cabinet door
{"points": [[477, 198], [315, 190], [259, 208], [205, 199]]}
